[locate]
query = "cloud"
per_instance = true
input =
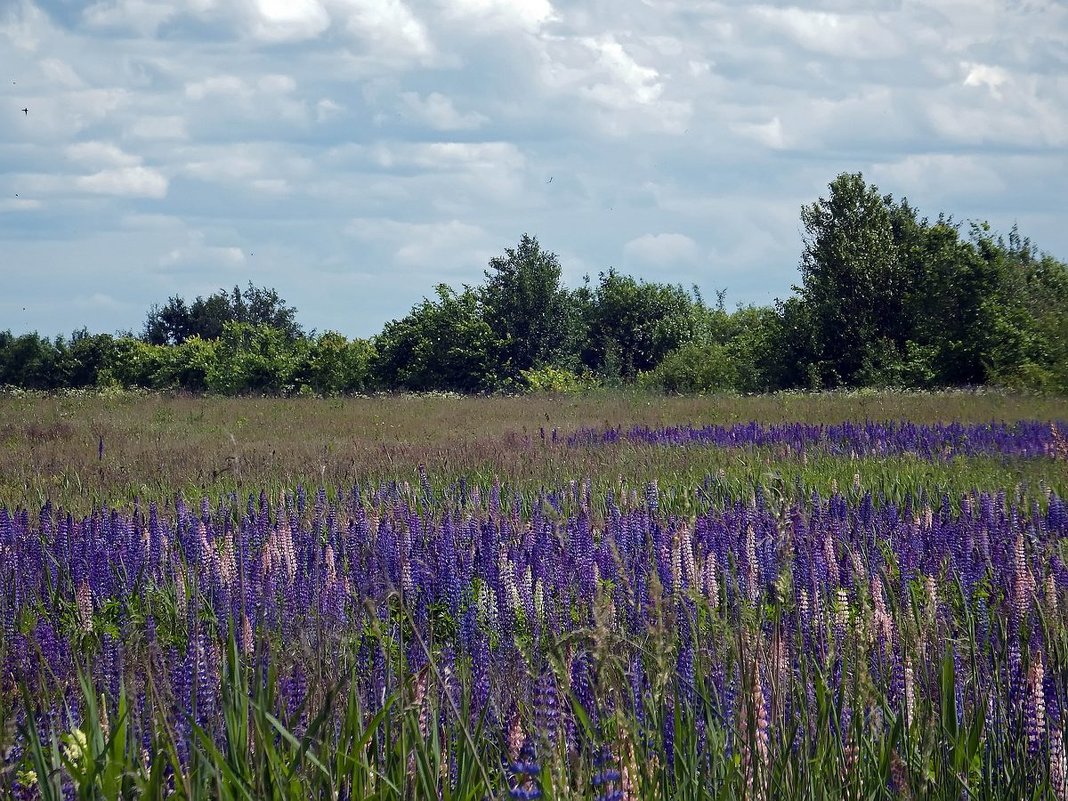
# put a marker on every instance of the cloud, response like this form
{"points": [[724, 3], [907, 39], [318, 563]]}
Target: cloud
{"points": [[489, 15], [661, 250], [770, 133], [985, 75], [223, 85], [856, 36], [289, 20], [143, 16], [388, 25], [22, 25], [60, 72], [438, 111], [166, 127], [368, 149], [101, 154], [196, 253], [125, 181], [419, 245], [16, 204]]}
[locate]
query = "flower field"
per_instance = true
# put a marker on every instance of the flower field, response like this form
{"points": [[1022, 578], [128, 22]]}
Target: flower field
{"points": [[795, 623]]}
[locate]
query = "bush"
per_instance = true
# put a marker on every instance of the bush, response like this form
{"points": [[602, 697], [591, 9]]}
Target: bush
{"points": [[696, 367], [554, 379]]}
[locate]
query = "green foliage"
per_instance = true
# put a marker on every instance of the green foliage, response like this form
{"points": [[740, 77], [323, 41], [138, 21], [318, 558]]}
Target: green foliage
{"points": [[554, 379], [176, 321], [534, 320], [852, 280], [443, 344], [887, 299], [335, 365], [632, 325], [698, 367], [31, 361], [254, 359]]}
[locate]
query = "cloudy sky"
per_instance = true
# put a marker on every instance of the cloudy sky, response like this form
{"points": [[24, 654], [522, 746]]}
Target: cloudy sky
{"points": [[354, 153]]}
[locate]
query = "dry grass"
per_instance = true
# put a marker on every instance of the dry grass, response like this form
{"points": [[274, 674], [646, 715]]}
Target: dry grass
{"points": [[156, 445]]}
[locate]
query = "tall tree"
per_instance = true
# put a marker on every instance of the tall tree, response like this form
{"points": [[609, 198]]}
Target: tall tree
{"points": [[533, 317], [852, 284]]}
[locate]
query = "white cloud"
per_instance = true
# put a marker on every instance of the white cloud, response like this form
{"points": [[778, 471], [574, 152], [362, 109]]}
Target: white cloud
{"points": [[15, 204], [289, 20], [166, 127], [60, 72], [387, 25], [529, 15], [125, 181], [855, 36], [196, 253], [984, 75], [662, 250], [326, 109], [927, 174], [100, 154], [23, 25], [228, 167], [422, 245], [225, 85], [438, 111], [770, 133], [142, 16]]}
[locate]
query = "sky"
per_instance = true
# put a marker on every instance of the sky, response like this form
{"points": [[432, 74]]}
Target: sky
{"points": [[352, 154]]}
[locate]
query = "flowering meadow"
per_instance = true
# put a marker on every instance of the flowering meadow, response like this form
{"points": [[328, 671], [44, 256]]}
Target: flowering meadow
{"points": [[442, 636]]}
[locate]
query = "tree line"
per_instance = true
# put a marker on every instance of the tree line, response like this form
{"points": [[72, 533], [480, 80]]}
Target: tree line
{"points": [[887, 298]]}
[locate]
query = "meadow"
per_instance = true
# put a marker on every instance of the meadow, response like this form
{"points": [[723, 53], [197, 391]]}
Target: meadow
{"points": [[614, 596]]}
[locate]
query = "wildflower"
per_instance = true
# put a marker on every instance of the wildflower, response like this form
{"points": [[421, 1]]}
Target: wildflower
{"points": [[525, 772], [83, 598]]}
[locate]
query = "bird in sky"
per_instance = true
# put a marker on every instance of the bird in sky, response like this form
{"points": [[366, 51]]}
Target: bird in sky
{"points": [[550, 180]]}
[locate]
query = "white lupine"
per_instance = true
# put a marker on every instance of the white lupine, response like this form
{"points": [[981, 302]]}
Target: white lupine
{"points": [[507, 570], [688, 560], [752, 577], [526, 587], [487, 605], [1058, 766], [910, 689], [227, 563], [832, 560], [539, 603], [407, 581], [83, 597], [841, 607], [711, 585]]}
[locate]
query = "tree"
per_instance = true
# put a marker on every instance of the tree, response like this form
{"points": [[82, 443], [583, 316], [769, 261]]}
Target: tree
{"points": [[534, 319], [176, 321], [88, 355], [632, 325], [337, 365], [251, 358], [443, 344], [852, 284], [31, 361]]}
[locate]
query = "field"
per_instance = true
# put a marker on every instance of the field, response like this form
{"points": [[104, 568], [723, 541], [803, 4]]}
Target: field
{"points": [[621, 596]]}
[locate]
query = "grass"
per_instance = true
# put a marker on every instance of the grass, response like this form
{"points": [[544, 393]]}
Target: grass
{"points": [[157, 445], [828, 723]]}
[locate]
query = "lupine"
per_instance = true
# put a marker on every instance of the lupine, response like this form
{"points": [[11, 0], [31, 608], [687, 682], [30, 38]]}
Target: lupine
{"points": [[289, 585]]}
